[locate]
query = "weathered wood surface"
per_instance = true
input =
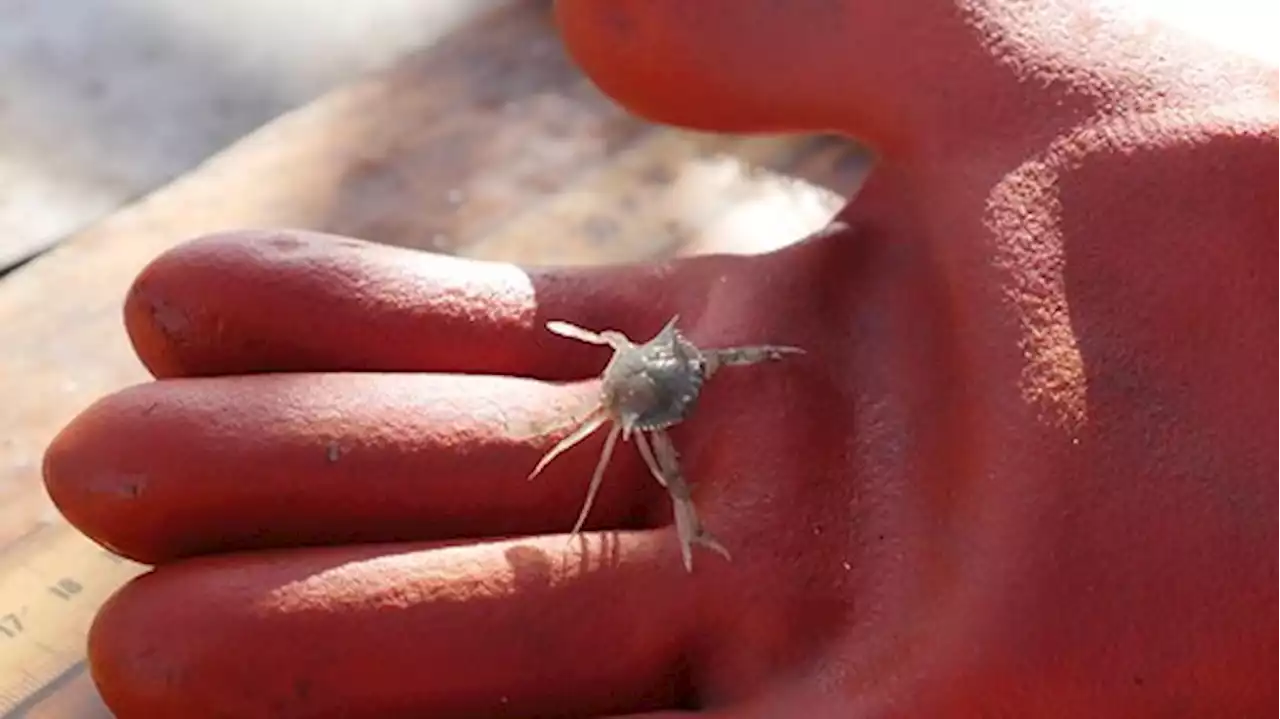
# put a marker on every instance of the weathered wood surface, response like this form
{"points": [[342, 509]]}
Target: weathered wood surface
{"points": [[489, 144]]}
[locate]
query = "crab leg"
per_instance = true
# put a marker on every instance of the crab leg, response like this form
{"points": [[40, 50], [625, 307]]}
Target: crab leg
{"points": [[646, 452], [589, 425], [688, 526], [609, 442], [524, 428], [739, 356]]}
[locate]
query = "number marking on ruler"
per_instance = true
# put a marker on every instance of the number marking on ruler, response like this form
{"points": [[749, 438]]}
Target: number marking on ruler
{"points": [[52, 582]]}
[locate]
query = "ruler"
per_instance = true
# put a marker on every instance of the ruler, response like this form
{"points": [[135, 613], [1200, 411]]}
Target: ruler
{"points": [[52, 582]]}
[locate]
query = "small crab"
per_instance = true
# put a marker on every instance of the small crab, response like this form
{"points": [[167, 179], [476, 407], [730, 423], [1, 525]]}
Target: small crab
{"points": [[645, 389]]}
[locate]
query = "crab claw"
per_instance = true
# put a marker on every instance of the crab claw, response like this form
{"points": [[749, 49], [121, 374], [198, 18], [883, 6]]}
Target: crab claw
{"points": [[564, 329]]}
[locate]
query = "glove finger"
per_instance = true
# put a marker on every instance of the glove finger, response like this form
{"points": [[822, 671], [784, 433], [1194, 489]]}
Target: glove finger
{"points": [[512, 628], [247, 302], [198, 465], [748, 66]]}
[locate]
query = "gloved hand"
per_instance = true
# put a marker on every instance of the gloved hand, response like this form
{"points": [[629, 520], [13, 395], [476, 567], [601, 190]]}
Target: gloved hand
{"points": [[1025, 467]]}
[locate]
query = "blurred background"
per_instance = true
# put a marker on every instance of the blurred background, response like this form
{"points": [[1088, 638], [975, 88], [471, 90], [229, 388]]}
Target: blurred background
{"points": [[102, 101]]}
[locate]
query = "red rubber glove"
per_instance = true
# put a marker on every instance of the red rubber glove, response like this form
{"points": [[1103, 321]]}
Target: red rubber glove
{"points": [[1024, 469]]}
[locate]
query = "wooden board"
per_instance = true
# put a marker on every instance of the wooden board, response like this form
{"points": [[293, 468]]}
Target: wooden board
{"points": [[490, 144]]}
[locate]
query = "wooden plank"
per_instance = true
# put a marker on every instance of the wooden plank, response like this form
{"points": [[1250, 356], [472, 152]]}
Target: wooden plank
{"points": [[490, 144]]}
